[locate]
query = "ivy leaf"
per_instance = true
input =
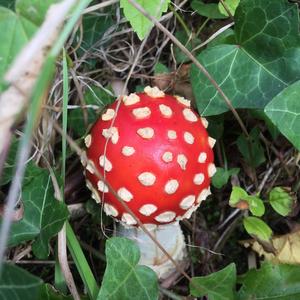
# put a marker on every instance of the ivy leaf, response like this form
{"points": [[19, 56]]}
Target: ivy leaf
{"points": [[43, 216], [271, 282], [281, 200], [34, 10], [257, 228], [252, 150], [15, 32], [217, 286], [209, 10], [18, 284], [140, 24], [284, 112], [222, 175], [267, 45], [124, 278]]}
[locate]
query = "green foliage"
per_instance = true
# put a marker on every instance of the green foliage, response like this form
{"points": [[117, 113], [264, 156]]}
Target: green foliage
{"points": [[230, 4], [209, 10], [140, 24], [284, 112], [18, 284], [15, 32], [281, 201], [34, 10], [43, 214], [267, 46], [239, 198], [49, 293], [222, 176], [217, 286], [251, 148], [270, 282], [123, 278], [257, 228]]}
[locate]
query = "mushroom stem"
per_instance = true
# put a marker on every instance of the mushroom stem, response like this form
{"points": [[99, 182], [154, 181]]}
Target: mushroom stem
{"points": [[171, 238]]}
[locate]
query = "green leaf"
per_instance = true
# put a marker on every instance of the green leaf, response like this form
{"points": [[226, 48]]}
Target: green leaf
{"points": [[256, 205], [271, 282], [284, 112], [281, 201], [252, 150], [237, 194], [209, 10], [140, 24], [34, 10], [15, 32], [267, 47], [93, 28], [8, 3], [217, 286], [43, 216], [18, 284], [231, 5], [160, 68], [257, 228], [222, 175], [124, 278]]}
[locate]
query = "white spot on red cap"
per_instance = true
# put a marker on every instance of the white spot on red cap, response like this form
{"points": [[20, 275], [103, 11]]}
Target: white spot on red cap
{"points": [[131, 99], [183, 101], [203, 195], [125, 194], [90, 166], [141, 112], [204, 122], [172, 135], [189, 115], [89, 185], [102, 187], [128, 219], [108, 115], [150, 226], [211, 169], [148, 209], [187, 202], [165, 110], [127, 150], [189, 212], [211, 142], [154, 92], [88, 140], [182, 161], [202, 157], [111, 133], [146, 132], [165, 217], [167, 157], [199, 178], [147, 178], [189, 138], [110, 210], [171, 186], [105, 163]]}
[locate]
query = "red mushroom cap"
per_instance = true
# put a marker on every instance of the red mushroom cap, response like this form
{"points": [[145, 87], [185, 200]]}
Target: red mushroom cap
{"points": [[158, 158]]}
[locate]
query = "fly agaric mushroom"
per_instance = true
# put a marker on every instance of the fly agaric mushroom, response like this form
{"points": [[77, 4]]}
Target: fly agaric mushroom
{"points": [[156, 154]]}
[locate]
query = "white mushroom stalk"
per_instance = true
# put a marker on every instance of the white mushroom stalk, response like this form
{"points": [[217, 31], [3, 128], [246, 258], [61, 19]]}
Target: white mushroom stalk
{"points": [[158, 157]]}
